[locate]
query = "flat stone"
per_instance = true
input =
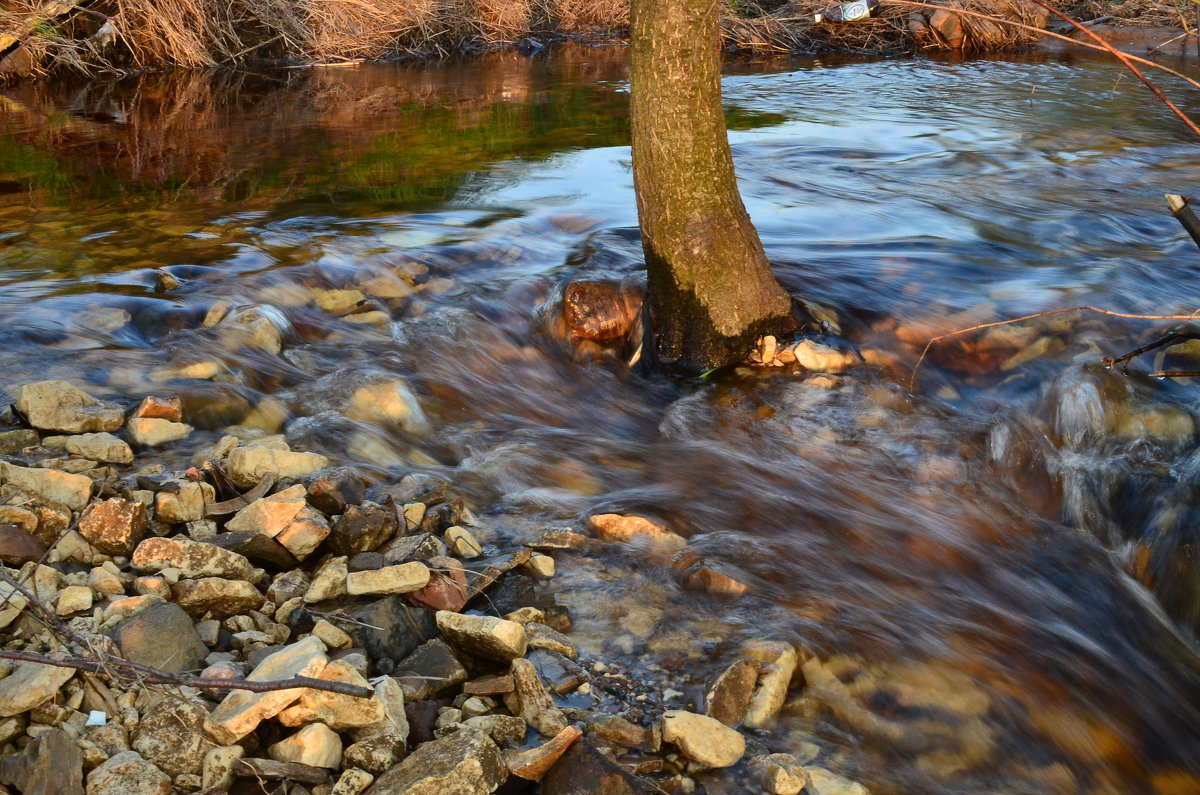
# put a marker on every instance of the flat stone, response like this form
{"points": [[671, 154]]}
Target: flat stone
{"points": [[193, 559], [315, 745], [270, 515], [241, 711], [403, 578], [162, 635], [128, 773], [216, 595], [171, 735], [779, 774], [447, 588], [531, 701], [618, 730], [50, 765], [114, 526], [184, 503], [60, 406], [558, 671], [484, 636], [542, 637], [18, 545], [729, 697], [247, 466], [702, 739], [29, 685], [430, 671], [534, 763], [421, 546], [491, 685], [465, 763], [100, 447], [272, 770], [362, 528], [73, 491], [337, 711], [390, 403], [152, 432]]}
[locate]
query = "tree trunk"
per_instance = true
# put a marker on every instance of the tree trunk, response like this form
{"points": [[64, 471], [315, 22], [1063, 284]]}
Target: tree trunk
{"points": [[711, 291]]}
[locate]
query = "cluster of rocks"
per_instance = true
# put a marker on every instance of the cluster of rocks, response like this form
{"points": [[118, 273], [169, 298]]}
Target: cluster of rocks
{"points": [[297, 572]]}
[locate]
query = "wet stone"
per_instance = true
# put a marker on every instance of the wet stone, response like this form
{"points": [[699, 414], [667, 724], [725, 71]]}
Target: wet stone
{"points": [[600, 311], [60, 406], [532, 702], [560, 673], [702, 739], [160, 408], [156, 432], [729, 697], [543, 637], [534, 763], [391, 403], [779, 774], [582, 770], [823, 782]]}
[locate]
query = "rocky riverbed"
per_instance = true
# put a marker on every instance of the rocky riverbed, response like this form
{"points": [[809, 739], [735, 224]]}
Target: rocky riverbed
{"points": [[261, 563]]}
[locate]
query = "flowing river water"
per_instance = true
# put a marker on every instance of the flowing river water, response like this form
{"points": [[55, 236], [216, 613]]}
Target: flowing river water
{"points": [[994, 571]]}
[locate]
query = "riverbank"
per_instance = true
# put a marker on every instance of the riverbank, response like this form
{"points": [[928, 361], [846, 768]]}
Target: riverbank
{"points": [[94, 36]]}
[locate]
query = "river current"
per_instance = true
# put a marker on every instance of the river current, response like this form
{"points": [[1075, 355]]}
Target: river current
{"points": [[992, 566]]}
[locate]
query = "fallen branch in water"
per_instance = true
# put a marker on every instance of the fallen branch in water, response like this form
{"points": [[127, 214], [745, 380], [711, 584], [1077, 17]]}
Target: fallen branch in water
{"points": [[912, 381]]}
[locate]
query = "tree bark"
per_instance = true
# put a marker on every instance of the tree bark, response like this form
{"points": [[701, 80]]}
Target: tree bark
{"points": [[711, 292]]}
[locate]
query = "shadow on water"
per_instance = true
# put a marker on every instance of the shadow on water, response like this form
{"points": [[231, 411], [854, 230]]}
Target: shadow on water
{"points": [[994, 574]]}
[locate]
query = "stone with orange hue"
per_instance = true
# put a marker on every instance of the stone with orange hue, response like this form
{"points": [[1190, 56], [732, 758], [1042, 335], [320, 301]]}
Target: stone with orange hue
{"points": [[615, 527], [114, 526], [534, 763], [600, 311], [160, 409]]}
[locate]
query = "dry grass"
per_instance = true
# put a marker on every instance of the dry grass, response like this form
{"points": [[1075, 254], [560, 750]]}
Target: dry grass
{"points": [[204, 33]]}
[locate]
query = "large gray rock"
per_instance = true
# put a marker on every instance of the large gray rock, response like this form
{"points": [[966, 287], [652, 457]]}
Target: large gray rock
{"points": [[162, 635], [59, 406], [171, 736], [388, 627], [464, 763], [50, 765]]}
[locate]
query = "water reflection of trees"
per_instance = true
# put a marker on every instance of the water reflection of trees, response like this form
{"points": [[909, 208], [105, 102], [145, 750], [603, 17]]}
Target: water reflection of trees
{"points": [[390, 133]]}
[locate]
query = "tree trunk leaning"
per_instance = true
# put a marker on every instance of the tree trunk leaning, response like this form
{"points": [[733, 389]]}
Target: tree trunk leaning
{"points": [[711, 292]]}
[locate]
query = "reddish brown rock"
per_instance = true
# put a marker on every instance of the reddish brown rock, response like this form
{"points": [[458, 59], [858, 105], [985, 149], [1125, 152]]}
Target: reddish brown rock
{"points": [[600, 311], [583, 770], [362, 528], [18, 545], [153, 408], [492, 685], [534, 763], [114, 526], [447, 588], [615, 527], [949, 28], [332, 494]]}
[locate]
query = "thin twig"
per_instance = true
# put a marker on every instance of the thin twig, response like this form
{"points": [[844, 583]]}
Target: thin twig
{"points": [[160, 677], [912, 381]]}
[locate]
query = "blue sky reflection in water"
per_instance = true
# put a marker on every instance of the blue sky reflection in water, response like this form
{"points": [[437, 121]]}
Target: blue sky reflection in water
{"points": [[995, 574]]}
